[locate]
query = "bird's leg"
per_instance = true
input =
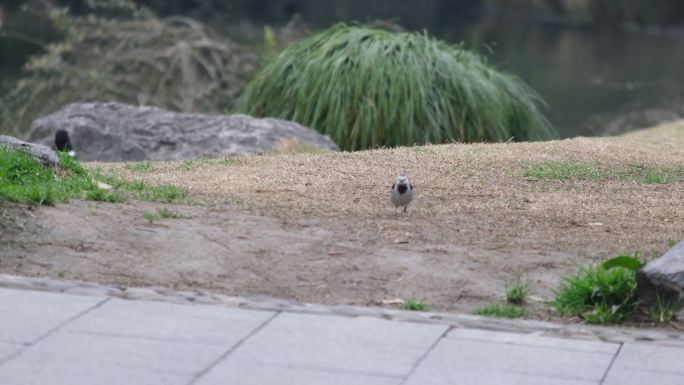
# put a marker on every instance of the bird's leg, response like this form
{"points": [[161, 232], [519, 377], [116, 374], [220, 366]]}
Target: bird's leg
{"points": [[405, 207], [395, 210]]}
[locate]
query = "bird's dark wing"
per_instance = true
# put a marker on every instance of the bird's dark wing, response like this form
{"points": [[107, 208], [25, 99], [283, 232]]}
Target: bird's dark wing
{"points": [[393, 185]]}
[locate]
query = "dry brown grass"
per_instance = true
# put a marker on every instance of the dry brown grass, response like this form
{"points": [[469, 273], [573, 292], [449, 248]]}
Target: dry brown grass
{"points": [[450, 179]]}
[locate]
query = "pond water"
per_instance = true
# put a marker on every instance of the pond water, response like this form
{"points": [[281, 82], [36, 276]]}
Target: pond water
{"points": [[582, 72]]}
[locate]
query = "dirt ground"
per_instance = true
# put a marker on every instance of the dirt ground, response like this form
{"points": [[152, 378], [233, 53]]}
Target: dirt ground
{"points": [[320, 227]]}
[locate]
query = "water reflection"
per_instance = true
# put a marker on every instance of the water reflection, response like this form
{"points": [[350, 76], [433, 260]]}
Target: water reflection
{"points": [[582, 72]]}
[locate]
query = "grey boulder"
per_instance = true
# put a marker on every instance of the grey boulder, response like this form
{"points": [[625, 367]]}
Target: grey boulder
{"points": [[663, 276], [111, 132], [42, 153]]}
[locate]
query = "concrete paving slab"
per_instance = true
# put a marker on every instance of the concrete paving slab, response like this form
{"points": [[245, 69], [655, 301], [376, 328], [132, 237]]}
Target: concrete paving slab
{"points": [[27, 315], [650, 357], [647, 364], [8, 349], [142, 342], [357, 345], [452, 357], [74, 359], [488, 377], [636, 377], [247, 373], [197, 324], [531, 339]]}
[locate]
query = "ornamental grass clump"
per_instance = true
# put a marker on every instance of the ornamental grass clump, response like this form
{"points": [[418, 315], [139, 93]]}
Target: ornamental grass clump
{"points": [[367, 87]]}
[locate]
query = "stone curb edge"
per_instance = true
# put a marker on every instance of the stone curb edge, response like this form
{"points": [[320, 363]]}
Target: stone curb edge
{"points": [[455, 320]]}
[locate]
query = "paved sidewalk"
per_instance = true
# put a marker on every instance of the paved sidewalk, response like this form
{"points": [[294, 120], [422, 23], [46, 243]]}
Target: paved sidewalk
{"points": [[56, 338]]}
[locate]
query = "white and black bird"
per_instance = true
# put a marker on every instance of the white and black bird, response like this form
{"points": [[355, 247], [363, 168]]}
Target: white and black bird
{"points": [[402, 193], [63, 143]]}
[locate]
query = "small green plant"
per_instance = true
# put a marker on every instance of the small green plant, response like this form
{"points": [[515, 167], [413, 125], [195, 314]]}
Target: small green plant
{"points": [[664, 310], [502, 311], [671, 243], [102, 195], [562, 171], [414, 304], [602, 294], [166, 213], [151, 217], [162, 193], [161, 213], [517, 292], [145, 166]]}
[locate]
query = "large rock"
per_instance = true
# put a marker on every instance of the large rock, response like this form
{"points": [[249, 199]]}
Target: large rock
{"points": [[119, 132], [42, 153], [663, 276]]}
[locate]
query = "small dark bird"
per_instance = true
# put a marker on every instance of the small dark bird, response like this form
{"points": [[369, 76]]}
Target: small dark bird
{"points": [[402, 193], [62, 142]]}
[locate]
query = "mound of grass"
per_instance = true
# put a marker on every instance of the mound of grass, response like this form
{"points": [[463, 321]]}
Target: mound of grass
{"points": [[598, 295], [367, 87], [24, 179], [502, 311]]}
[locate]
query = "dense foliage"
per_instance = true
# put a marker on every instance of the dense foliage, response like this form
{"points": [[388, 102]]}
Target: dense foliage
{"points": [[370, 87], [131, 57]]}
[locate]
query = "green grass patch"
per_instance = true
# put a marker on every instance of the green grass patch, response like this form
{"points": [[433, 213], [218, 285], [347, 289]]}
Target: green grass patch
{"points": [[166, 213], [162, 213], [643, 174], [192, 164], [151, 217], [657, 176], [598, 295], [414, 304], [562, 171], [367, 87], [502, 311], [163, 193], [145, 166], [24, 179], [102, 195], [143, 191]]}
